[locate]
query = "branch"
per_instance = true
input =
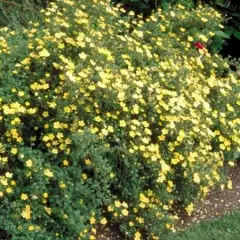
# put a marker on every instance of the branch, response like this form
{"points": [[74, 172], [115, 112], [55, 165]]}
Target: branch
{"points": [[11, 3]]}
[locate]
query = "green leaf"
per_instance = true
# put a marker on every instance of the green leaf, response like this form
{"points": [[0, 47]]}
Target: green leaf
{"points": [[222, 34], [236, 35], [229, 32]]}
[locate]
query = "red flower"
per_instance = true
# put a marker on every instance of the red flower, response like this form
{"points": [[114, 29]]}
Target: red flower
{"points": [[199, 45]]}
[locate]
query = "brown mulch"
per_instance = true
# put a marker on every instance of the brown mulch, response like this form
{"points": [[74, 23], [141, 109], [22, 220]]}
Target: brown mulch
{"points": [[111, 232]]}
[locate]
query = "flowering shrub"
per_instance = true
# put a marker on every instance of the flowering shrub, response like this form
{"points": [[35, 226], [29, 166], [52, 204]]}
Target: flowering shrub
{"points": [[108, 118], [15, 12], [147, 6]]}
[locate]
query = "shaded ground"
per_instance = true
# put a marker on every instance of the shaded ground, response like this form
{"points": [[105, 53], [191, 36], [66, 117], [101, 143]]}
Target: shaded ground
{"points": [[109, 233], [4, 235]]}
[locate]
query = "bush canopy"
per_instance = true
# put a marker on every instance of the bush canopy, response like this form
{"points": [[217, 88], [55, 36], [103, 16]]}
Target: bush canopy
{"points": [[107, 118]]}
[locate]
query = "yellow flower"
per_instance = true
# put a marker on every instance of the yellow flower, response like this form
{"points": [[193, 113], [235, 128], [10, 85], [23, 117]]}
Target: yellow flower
{"points": [[229, 184], [122, 123], [4, 181], [196, 178], [24, 196], [143, 198], [121, 95], [45, 195], [62, 185], [124, 212], [103, 221], [88, 162], [48, 210], [65, 162], [137, 236], [45, 114], [31, 228], [44, 53], [131, 224], [8, 175], [14, 151], [231, 163], [92, 220], [26, 213], [29, 163], [189, 209], [83, 55], [8, 190], [175, 161], [84, 176], [203, 38], [48, 173], [110, 208], [52, 104], [204, 19], [21, 93], [180, 6], [168, 225], [117, 204]]}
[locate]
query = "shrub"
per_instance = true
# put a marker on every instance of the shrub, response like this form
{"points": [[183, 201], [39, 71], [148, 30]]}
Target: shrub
{"points": [[15, 12], [232, 30], [224, 41], [111, 119], [145, 7]]}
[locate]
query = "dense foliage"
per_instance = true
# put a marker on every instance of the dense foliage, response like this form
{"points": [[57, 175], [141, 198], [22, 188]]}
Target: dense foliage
{"points": [[231, 37], [106, 118], [20, 11], [225, 41], [145, 7]]}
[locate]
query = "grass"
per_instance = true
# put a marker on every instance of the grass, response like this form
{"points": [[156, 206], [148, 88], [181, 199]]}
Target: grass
{"points": [[224, 228]]}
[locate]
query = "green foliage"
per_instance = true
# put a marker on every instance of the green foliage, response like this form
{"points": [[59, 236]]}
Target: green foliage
{"points": [[147, 6], [230, 9], [109, 118], [15, 12]]}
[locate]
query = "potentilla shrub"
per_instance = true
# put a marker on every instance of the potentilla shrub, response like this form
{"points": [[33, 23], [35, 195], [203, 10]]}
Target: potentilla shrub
{"points": [[20, 12], [107, 118]]}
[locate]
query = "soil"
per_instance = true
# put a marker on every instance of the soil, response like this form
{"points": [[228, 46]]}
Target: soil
{"points": [[4, 235], [111, 232]]}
